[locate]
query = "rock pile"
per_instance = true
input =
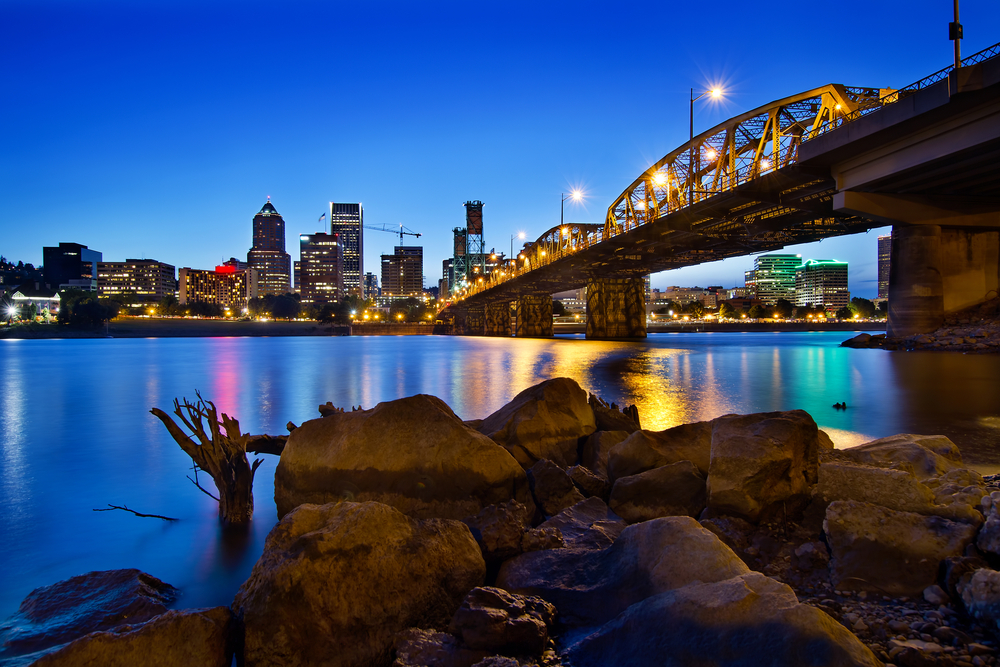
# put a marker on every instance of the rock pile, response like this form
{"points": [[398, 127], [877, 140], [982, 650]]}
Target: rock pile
{"points": [[556, 531], [975, 330]]}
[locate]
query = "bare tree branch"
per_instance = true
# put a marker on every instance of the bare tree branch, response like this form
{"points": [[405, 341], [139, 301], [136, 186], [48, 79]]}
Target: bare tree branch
{"points": [[149, 516]]}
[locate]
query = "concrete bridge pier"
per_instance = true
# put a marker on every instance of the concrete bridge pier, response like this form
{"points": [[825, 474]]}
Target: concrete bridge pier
{"points": [[534, 316], [497, 319], [937, 270], [474, 324], [616, 308]]}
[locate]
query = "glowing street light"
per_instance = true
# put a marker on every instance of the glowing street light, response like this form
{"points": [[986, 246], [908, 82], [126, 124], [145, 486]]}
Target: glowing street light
{"points": [[576, 195], [519, 235], [715, 93], [660, 179]]}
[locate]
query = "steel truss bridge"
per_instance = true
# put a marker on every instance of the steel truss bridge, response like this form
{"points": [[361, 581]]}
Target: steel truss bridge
{"points": [[737, 189]]}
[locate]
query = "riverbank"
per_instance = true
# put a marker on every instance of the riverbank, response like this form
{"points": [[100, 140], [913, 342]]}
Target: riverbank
{"points": [[735, 327], [183, 327]]}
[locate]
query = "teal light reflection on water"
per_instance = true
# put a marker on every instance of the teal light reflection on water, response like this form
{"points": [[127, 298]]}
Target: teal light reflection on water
{"points": [[76, 434]]}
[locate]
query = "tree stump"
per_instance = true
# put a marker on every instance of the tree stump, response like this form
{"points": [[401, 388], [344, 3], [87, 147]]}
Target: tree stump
{"points": [[222, 455]]}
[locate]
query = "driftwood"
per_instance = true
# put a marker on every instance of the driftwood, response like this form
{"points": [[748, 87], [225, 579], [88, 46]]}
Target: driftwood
{"points": [[611, 418], [329, 408], [266, 444], [221, 451], [111, 508]]}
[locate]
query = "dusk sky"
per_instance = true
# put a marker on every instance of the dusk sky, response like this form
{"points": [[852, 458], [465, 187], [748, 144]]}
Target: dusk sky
{"points": [[158, 129]]}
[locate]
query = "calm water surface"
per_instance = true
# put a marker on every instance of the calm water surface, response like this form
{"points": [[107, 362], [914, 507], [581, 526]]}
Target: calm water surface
{"points": [[76, 433]]}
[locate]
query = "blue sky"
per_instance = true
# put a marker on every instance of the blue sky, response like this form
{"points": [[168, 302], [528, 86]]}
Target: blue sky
{"points": [[157, 129]]}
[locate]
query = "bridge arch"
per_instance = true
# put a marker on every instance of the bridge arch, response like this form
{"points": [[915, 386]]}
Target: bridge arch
{"points": [[735, 152]]}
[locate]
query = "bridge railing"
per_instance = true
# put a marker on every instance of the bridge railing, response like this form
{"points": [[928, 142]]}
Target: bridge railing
{"points": [[893, 96]]}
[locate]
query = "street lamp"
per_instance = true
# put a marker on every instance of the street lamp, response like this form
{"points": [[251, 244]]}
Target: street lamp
{"points": [[519, 235], [715, 93], [576, 195]]}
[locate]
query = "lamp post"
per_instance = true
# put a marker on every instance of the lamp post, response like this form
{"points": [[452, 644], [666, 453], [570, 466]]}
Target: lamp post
{"points": [[576, 195], [715, 93], [519, 235], [955, 34]]}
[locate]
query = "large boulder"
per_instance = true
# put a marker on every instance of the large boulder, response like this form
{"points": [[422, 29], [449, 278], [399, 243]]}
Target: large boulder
{"points": [[591, 587], [589, 483], [91, 602], [545, 421], [927, 455], [204, 637], [336, 583], [896, 489], [491, 619], [747, 620], [980, 593], [890, 552], [499, 530], [597, 448], [762, 462], [589, 524], [413, 454], [645, 450], [552, 488], [677, 489]]}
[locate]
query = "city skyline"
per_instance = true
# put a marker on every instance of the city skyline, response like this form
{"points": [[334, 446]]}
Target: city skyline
{"points": [[521, 118]]}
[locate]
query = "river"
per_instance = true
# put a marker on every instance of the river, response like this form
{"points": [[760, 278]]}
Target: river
{"points": [[76, 433]]}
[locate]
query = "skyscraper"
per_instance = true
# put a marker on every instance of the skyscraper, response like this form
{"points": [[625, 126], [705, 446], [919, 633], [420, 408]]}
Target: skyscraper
{"points": [[371, 286], [268, 256], [346, 220], [321, 274], [822, 282], [884, 253], [774, 277], [403, 272]]}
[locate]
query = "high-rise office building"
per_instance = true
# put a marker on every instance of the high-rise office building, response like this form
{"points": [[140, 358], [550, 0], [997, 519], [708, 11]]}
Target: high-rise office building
{"points": [[447, 276], [822, 282], [347, 220], [146, 279], [268, 256], [884, 253], [321, 272], [403, 272], [774, 277], [371, 286], [227, 286], [70, 265]]}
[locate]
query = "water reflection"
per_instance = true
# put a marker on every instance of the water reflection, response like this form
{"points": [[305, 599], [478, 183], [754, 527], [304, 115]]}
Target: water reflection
{"points": [[75, 432]]}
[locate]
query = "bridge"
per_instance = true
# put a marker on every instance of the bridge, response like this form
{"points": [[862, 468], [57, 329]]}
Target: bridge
{"points": [[830, 161]]}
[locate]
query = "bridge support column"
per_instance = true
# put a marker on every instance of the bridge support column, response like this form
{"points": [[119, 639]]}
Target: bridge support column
{"points": [[497, 319], [534, 316], [616, 308], [474, 322], [938, 270]]}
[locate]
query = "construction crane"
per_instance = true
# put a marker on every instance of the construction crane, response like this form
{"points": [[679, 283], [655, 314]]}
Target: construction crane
{"points": [[401, 231]]}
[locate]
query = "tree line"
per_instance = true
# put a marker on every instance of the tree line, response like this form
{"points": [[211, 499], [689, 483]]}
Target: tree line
{"points": [[783, 309]]}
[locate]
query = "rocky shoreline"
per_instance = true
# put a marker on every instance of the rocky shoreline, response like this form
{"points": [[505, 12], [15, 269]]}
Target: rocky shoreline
{"points": [[972, 331], [558, 532]]}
